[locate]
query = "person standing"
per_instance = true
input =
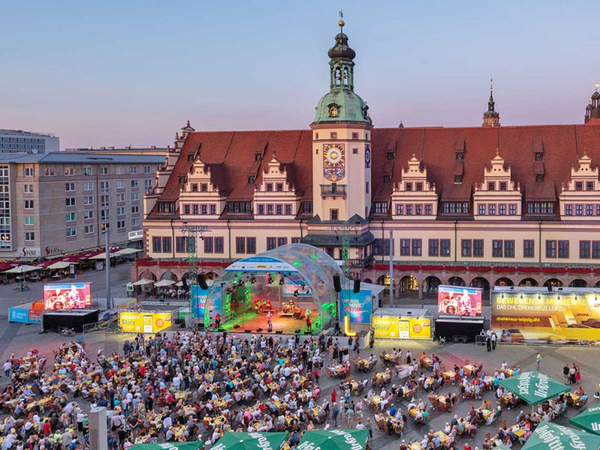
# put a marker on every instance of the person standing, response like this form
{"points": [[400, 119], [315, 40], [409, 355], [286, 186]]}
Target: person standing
{"points": [[494, 339], [566, 372], [538, 360], [269, 321], [488, 343], [333, 395]]}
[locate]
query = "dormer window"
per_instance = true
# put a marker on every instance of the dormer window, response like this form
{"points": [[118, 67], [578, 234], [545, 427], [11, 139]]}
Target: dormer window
{"points": [[390, 156], [503, 185], [194, 187], [457, 179], [491, 186], [387, 179], [539, 178], [419, 186], [459, 156], [251, 179], [408, 186], [590, 186], [190, 157], [257, 157], [269, 187], [539, 156], [279, 187], [204, 187], [579, 186]]}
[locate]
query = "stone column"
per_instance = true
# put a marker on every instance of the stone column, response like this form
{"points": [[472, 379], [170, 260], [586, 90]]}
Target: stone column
{"points": [[98, 431]]}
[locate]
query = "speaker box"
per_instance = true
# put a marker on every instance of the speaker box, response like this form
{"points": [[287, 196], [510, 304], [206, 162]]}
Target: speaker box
{"points": [[298, 330], [356, 286], [236, 326], [259, 330], [247, 331], [201, 279], [279, 332], [337, 285]]}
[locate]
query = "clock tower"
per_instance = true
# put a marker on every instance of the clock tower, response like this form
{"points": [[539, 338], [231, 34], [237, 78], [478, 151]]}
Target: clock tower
{"points": [[341, 153]]}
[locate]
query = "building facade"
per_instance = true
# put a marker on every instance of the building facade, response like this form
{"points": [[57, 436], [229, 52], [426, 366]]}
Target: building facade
{"points": [[27, 141], [56, 203], [482, 206]]}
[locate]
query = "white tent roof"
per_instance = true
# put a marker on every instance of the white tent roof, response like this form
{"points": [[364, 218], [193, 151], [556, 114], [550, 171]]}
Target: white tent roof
{"points": [[376, 289], [59, 265], [163, 283], [143, 282], [22, 269], [127, 251]]}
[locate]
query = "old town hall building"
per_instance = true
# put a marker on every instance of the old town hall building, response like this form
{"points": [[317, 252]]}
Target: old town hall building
{"points": [[485, 206]]}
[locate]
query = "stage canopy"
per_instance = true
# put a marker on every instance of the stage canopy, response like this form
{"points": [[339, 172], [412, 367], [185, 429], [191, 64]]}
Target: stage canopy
{"points": [[298, 263]]}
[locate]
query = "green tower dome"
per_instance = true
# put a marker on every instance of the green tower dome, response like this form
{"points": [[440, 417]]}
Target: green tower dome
{"points": [[341, 104]]}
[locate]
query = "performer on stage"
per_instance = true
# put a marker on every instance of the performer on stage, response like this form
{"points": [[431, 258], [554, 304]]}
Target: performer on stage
{"points": [[270, 321]]}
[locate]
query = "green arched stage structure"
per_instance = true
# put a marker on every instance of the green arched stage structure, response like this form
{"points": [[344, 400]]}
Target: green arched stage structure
{"points": [[252, 286]]}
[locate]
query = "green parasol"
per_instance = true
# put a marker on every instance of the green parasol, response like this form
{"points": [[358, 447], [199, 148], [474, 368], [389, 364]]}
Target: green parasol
{"points": [[589, 420], [534, 387], [501, 447], [170, 446], [251, 441], [549, 436], [334, 440]]}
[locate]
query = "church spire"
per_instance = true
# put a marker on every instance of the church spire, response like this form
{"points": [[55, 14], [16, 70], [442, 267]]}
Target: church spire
{"points": [[491, 118], [592, 111]]}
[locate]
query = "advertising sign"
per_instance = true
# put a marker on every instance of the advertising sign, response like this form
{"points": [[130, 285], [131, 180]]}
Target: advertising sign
{"points": [[401, 327], [67, 296], [290, 289], [459, 300], [546, 316], [419, 328], [356, 305], [260, 264], [141, 322], [385, 327], [19, 315], [198, 299]]}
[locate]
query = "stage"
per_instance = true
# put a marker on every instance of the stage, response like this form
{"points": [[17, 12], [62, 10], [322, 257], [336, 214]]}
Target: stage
{"points": [[252, 321]]}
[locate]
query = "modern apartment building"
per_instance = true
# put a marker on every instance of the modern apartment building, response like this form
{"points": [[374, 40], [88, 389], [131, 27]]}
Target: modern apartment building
{"points": [[478, 206], [27, 141], [55, 203]]}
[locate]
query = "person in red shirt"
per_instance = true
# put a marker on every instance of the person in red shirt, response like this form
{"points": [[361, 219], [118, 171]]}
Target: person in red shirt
{"points": [[467, 446], [46, 428], [333, 395]]}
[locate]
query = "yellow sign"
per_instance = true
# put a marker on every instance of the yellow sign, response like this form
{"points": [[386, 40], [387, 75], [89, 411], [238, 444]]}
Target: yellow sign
{"points": [[141, 322], [401, 327]]}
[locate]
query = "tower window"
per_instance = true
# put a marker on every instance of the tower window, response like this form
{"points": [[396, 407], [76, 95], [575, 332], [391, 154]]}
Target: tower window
{"points": [[354, 135], [333, 213], [316, 135], [355, 151], [333, 135]]}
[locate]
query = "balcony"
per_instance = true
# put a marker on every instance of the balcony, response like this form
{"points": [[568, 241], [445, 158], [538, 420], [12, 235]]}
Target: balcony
{"points": [[333, 190]]}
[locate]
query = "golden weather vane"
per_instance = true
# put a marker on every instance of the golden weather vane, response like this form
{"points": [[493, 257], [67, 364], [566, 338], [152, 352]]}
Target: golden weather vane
{"points": [[341, 23]]}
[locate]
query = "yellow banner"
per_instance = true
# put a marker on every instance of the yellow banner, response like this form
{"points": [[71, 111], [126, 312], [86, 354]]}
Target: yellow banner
{"points": [[140, 322], [401, 327]]}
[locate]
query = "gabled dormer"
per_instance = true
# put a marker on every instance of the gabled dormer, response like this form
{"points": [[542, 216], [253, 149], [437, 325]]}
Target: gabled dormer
{"points": [[274, 196], [580, 196], [498, 197], [414, 197], [199, 191]]}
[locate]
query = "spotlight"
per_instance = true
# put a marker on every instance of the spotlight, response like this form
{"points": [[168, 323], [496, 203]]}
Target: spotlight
{"points": [[281, 280], [269, 280], [253, 280], [296, 293]]}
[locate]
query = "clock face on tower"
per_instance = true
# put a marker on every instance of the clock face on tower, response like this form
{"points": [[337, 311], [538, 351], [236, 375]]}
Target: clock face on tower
{"points": [[334, 162]]}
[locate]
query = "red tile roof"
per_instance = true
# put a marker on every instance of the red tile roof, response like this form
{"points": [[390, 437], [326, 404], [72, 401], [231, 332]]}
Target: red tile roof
{"points": [[231, 156]]}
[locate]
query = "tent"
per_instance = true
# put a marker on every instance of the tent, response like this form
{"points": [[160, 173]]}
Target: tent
{"points": [[23, 269], [549, 436], [164, 283], [534, 387], [334, 439], [169, 446], [251, 441], [59, 265], [143, 282], [128, 251], [589, 420]]}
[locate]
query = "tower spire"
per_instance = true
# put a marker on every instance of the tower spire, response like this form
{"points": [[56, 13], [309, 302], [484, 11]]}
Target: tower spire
{"points": [[491, 118]]}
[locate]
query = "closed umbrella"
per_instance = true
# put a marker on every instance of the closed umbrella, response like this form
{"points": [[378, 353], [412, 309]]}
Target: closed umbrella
{"points": [[534, 387], [334, 439], [549, 436], [251, 441], [589, 420]]}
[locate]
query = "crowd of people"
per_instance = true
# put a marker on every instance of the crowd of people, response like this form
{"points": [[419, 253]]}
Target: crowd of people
{"points": [[197, 386]]}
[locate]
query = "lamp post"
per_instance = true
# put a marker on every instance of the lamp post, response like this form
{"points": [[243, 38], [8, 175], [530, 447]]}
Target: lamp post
{"points": [[105, 229]]}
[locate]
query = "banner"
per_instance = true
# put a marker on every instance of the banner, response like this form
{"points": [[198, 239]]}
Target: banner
{"points": [[142, 322], [357, 305], [459, 300], [67, 296], [18, 315], [402, 327], [568, 317], [290, 289], [198, 299]]}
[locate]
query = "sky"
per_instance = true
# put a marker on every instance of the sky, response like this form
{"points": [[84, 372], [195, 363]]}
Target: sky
{"points": [[116, 73]]}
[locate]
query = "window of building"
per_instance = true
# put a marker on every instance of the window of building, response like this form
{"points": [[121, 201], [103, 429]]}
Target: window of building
{"points": [[589, 210], [105, 214], [186, 209], [279, 209], [135, 183], [418, 186], [167, 244], [88, 186], [509, 248], [409, 210], [579, 210], [455, 207], [387, 179], [209, 244], [296, 240], [156, 244], [512, 209], [503, 185], [590, 186], [105, 200], [121, 211], [28, 171], [30, 236], [307, 207], [270, 210], [120, 224], [133, 170], [261, 210], [434, 247], [281, 241], [70, 201], [444, 247], [563, 249], [333, 135], [408, 186], [269, 187], [271, 243], [491, 186], [219, 245], [70, 187], [105, 187], [240, 208], [399, 209], [288, 209], [502, 209], [240, 245], [180, 246], [71, 217], [69, 171], [355, 151], [28, 204], [497, 248], [29, 220], [381, 207], [482, 208], [595, 249], [204, 209], [251, 245], [333, 214], [88, 200], [569, 210], [579, 186], [28, 188], [71, 231], [135, 222], [478, 248], [417, 247], [354, 135], [88, 229], [88, 215], [540, 208], [466, 248], [87, 171], [528, 248], [428, 209], [135, 209], [196, 209], [279, 187], [550, 249], [49, 171], [418, 210], [584, 249], [213, 209], [457, 179], [404, 247], [492, 209]]}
